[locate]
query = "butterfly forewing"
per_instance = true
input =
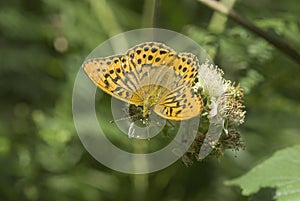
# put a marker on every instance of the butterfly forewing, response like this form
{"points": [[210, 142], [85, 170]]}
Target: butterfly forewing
{"points": [[146, 60], [186, 65], [110, 74]]}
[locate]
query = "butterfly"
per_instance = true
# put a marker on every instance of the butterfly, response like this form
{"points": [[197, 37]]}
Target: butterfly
{"points": [[150, 75]]}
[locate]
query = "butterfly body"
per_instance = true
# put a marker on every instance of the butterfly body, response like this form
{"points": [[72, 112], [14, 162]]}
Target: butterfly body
{"points": [[150, 75], [153, 93]]}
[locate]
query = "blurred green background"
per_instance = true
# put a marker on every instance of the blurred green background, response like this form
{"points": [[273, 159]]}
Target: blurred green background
{"points": [[42, 46]]}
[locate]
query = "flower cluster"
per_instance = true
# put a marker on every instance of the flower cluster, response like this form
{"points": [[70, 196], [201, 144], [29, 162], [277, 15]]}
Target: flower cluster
{"points": [[223, 112], [233, 108]]}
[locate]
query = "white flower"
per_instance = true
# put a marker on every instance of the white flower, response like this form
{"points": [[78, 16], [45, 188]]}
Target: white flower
{"points": [[210, 78], [224, 99]]}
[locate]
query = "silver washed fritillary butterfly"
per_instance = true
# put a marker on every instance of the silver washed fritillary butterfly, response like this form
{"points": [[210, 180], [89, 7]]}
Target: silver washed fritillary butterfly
{"points": [[150, 75]]}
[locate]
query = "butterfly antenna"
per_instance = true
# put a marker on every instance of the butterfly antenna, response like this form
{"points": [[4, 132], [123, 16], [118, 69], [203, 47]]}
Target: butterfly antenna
{"points": [[148, 134], [171, 123], [122, 119]]}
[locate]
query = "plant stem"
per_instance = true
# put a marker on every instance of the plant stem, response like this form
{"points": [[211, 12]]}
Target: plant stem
{"points": [[140, 181], [106, 17], [218, 21], [150, 13], [275, 41]]}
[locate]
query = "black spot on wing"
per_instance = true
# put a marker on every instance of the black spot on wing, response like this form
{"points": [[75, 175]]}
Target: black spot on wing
{"points": [[178, 112], [153, 50], [162, 52]]}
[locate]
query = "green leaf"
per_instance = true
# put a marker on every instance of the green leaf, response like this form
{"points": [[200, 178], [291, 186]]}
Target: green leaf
{"points": [[281, 171]]}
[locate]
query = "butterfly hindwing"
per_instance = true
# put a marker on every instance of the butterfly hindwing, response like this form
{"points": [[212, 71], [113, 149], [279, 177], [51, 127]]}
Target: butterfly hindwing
{"points": [[181, 104]]}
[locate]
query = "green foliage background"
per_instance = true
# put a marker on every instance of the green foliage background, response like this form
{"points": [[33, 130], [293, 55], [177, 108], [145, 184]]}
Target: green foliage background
{"points": [[42, 46]]}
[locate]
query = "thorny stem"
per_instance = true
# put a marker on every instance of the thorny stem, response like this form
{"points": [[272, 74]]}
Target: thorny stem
{"points": [[275, 41]]}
